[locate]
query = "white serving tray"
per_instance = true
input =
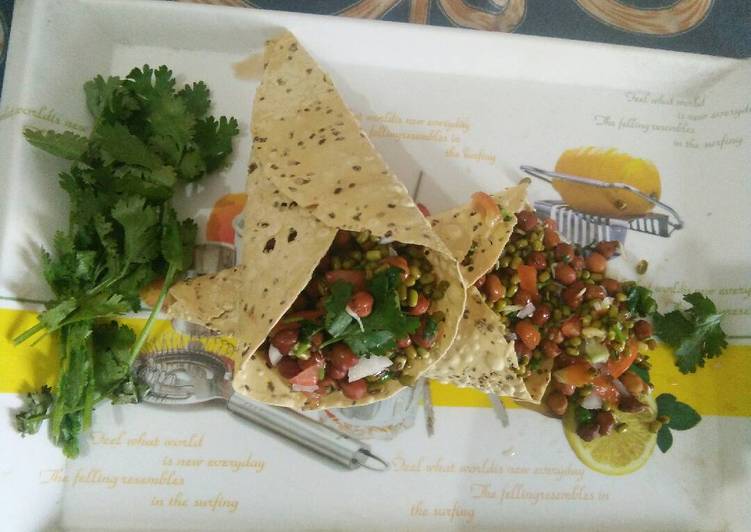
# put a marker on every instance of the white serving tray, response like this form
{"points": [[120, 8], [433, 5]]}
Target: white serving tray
{"points": [[465, 109]]}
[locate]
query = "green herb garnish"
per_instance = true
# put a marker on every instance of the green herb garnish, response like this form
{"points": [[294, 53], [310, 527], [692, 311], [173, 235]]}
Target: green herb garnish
{"points": [[640, 301], [695, 334], [147, 139], [382, 328], [675, 415]]}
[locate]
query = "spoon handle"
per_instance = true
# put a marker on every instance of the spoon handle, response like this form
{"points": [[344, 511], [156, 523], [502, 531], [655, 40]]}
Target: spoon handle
{"points": [[304, 431]]}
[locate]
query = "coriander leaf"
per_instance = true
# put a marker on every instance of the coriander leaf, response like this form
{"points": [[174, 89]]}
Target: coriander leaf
{"points": [[98, 306], [120, 145], [164, 176], [140, 225], [308, 329], [99, 93], [71, 426], [387, 312], [702, 305], [53, 317], [191, 166], [672, 327], [369, 342], [682, 416], [109, 243], [170, 118], [76, 376], [129, 287], [197, 98], [214, 140], [112, 343], [34, 411], [164, 82], [664, 439], [135, 181], [641, 372], [640, 301], [695, 335], [337, 319], [67, 144], [107, 100], [665, 403], [430, 329]]}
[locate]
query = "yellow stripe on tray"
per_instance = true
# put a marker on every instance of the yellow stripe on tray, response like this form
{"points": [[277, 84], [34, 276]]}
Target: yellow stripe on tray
{"points": [[721, 388]]}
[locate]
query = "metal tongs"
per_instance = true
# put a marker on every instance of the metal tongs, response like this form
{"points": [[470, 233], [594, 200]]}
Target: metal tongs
{"points": [[549, 177], [191, 374]]}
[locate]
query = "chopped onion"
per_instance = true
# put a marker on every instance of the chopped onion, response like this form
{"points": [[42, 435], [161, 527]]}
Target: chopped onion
{"points": [[508, 309], [511, 337], [300, 388], [368, 366], [621, 388], [592, 332], [526, 311], [274, 355], [603, 304], [356, 317], [386, 240], [592, 402]]}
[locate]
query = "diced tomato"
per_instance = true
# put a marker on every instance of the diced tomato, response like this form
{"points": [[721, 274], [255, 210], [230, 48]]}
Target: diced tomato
{"points": [[398, 262], [579, 373], [550, 224], [354, 277], [527, 278], [307, 377], [485, 205], [316, 360], [604, 387], [424, 210], [354, 390], [618, 367]]}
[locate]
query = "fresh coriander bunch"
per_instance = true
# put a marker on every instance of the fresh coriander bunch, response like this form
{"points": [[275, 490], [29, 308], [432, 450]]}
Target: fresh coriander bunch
{"points": [[148, 140]]}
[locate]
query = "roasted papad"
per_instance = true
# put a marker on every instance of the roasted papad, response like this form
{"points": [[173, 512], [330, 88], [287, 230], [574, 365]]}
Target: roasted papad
{"points": [[313, 172], [480, 356]]}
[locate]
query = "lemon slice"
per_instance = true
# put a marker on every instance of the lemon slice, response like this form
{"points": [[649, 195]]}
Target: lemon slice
{"points": [[619, 453]]}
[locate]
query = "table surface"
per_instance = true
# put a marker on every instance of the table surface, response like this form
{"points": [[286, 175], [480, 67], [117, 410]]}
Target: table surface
{"points": [[715, 27]]}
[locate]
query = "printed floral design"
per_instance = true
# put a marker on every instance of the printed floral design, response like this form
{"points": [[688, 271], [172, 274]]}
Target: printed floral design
{"points": [[674, 18]]}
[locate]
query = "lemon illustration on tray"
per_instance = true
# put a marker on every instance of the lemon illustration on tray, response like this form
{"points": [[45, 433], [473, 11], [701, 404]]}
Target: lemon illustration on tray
{"points": [[608, 166], [619, 453]]}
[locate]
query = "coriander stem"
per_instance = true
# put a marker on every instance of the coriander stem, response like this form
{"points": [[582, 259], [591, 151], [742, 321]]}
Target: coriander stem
{"points": [[28, 333], [144, 334]]}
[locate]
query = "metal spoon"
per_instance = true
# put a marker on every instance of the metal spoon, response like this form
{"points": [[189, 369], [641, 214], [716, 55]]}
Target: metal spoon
{"points": [[192, 374]]}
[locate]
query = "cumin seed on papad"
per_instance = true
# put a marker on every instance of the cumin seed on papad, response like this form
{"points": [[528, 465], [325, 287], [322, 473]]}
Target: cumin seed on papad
{"points": [[480, 356], [313, 173]]}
